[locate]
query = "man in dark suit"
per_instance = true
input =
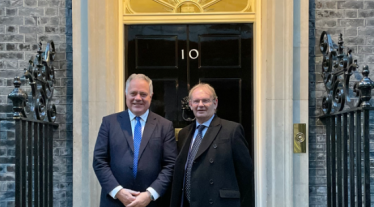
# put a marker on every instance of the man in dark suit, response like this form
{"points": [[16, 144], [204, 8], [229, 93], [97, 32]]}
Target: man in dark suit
{"points": [[135, 151], [214, 167]]}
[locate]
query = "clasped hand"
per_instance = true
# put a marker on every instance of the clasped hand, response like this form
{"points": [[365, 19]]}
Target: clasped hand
{"points": [[131, 198]]}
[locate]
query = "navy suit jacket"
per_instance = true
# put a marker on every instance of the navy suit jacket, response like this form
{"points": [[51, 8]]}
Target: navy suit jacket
{"points": [[114, 153]]}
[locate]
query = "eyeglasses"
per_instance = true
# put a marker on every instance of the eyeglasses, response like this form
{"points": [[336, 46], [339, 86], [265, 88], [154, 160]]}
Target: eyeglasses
{"points": [[204, 101]]}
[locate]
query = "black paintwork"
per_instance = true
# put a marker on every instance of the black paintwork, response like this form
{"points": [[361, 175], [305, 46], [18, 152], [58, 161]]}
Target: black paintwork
{"points": [[225, 62]]}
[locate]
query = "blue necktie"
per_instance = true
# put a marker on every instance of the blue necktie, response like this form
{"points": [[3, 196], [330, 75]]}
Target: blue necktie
{"points": [[191, 157], [137, 140]]}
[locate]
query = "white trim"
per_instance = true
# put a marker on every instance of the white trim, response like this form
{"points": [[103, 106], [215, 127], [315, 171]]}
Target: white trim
{"points": [[301, 99], [273, 90]]}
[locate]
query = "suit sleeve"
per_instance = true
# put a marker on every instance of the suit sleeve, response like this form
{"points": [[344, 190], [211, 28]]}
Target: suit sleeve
{"points": [[163, 181], [243, 166], [101, 159]]}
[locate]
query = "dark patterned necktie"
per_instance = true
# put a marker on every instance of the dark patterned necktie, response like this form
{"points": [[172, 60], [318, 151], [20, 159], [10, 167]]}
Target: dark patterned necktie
{"points": [[191, 157], [137, 140]]}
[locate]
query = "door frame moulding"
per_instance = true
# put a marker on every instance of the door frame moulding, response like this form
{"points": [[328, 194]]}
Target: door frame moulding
{"points": [[259, 79], [189, 18], [99, 69]]}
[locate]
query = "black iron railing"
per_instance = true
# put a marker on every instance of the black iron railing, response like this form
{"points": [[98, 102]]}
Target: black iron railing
{"points": [[346, 117], [34, 163], [33, 117], [346, 132]]}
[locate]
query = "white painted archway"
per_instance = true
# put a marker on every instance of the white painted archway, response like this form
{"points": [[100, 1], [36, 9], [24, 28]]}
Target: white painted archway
{"points": [[281, 94]]}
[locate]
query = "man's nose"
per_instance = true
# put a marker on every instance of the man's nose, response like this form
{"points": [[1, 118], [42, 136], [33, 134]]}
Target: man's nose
{"points": [[138, 97], [201, 103]]}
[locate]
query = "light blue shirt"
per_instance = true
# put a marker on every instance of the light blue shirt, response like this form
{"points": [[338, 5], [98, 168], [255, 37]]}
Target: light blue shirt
{"points": [[143, 120], [206, 124]]}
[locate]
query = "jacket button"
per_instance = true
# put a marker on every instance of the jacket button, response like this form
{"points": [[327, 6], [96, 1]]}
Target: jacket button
{"points": [[130, 167], [215, 146], [211, 160], [194, 162], [211, 182], [210, 201]]}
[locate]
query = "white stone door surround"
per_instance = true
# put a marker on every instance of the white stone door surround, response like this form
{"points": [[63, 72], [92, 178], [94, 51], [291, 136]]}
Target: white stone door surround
{"points": [[280, 84]]}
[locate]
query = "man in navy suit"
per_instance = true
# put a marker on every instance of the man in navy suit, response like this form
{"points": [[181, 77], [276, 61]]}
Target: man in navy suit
{"points": [[135, 151]]}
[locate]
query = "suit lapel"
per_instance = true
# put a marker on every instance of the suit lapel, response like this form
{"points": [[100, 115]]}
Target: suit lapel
{"points": [[209, 136], [125, 123], [147, 133], [187, 143]]}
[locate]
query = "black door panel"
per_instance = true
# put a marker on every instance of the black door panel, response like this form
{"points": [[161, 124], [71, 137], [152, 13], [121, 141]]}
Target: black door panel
{"points": [[226, 54], [229, 97], [149, 55], [155, 50], [176, 57], [226, 63]]}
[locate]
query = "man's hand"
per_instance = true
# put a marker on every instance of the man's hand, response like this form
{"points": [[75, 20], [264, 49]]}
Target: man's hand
{"points": [[127, 196], [142, 200]]}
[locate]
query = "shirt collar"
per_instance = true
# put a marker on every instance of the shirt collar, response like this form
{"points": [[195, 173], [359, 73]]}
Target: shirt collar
{"points": [[207, 123], [143, 116]]}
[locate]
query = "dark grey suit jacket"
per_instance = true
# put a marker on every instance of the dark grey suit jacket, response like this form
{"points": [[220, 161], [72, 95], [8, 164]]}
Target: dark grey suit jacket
{"points": [[222, 172], [114, 153]]}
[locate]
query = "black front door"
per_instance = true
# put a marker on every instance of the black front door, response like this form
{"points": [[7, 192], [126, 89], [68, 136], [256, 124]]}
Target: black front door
{"points": [[176, 57]]}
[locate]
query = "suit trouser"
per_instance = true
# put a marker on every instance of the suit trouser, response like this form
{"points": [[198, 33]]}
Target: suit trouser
{"points": [[185, 202]]}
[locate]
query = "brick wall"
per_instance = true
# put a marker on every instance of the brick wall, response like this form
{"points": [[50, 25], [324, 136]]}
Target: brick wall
{"points": [[23, 23], [7, 160], [355, 20]]}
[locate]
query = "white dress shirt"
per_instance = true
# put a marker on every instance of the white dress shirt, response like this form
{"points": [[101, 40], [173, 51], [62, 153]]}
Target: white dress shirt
{"points": [[143, 120]]}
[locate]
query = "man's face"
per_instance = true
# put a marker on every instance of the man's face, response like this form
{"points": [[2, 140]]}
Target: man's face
{"points": [[202, 104], [138, 97]]}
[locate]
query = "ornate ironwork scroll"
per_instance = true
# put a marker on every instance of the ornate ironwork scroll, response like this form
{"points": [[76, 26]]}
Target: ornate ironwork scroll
{"points": [[337, 68], [41, 76]]}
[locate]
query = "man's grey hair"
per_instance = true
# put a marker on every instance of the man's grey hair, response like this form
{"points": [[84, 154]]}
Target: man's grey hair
{"points": [[203, 85], [142, 77]]}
